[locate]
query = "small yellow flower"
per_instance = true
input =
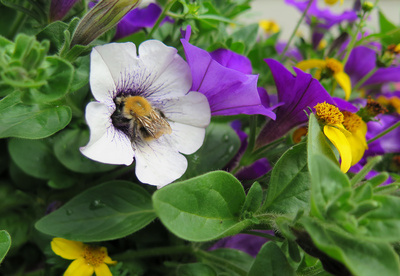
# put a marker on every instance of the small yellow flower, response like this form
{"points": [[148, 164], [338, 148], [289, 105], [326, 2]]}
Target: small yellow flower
{"points": [[333, 2], [269, 26], [346, 131], [322, 44], [87, 259], [329, 67]]}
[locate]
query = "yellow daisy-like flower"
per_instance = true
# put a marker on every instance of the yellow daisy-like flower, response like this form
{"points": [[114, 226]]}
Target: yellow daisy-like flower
{"points": [[346, 131], [87, 259], [331, 67], [269, 26], [333, 2]]}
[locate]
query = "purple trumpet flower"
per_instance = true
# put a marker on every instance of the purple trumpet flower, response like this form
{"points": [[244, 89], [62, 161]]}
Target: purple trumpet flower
{"points": [[361, 61], [325, 18], [220, 77], [59, 8], [297, 93]]}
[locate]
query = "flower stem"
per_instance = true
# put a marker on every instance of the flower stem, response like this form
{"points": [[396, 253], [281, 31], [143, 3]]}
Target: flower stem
{"points": [[365, 170], [264, 235], [167, 7], [396, 125], [295, 29], [365, 78], [252, 136]]}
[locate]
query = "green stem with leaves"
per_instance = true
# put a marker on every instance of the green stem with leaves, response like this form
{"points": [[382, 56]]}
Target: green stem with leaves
{"points": [[167, 7], [364, 79]]}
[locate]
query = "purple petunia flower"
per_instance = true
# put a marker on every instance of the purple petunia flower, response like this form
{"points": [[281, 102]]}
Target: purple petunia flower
{"points": [[298, 93], [292, 52], [389, 143], [325, 18], [257, 169], [219, 76], [245, 242], [59, 8], [361, 61]]}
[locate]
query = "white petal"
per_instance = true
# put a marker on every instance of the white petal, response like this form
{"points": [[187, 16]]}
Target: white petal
{"points": [[187, 139], [107, 144], [170, 74], [109, 65], [158, 162], [191, 109]]}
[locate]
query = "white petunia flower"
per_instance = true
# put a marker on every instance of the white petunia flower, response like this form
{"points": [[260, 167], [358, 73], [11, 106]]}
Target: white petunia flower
{"points": [[144, 110]]}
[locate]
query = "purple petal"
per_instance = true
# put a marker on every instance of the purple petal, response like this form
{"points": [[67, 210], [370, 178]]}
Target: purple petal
{"points": [[229, 92], [137, 19], [186, 33], [232, 60], [245, 242], [298, 93], [292, 52], [237, 126], [389, 143], [361, 61], [255, 170], [59, 8], [345, 105]]}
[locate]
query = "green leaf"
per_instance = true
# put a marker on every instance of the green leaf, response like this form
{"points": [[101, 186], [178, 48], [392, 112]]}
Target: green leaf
{"points": [[360, 256], [327, 184], [247, 35], [109, 211], [220, 145], [54, 32], [383, 223], [35, 158], [289, 188], [32, 121], [81, 73], [271, 261], [66, 149], [203, 208], [253, 199], [5, 244], [227, 261], [195, 269], [18, 225], [388, 27], [316, 141]]}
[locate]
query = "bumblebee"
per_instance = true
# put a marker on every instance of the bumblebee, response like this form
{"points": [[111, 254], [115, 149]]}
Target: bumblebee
{"points": [[135, 116]]}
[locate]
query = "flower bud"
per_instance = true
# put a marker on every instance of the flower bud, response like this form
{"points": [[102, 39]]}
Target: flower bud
{"points": [[367, 6], [105, 15]]}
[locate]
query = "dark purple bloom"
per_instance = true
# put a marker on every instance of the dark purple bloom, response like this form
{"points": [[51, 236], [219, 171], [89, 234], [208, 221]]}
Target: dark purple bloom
{"points": [[325, 17], [389, 143], [229, 91], [232, 60], [59, 8], [361, 61], [298, 93], [253, 171], [345, 105], [292, 52], [245, 242], [138, 19]]}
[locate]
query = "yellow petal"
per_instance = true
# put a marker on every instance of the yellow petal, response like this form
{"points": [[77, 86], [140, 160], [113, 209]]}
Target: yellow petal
{"points": [[358, 143], [102, 270], [311, 63], [67, 249], [107, 259], [341, 143], [344, 81], [79, 267]]}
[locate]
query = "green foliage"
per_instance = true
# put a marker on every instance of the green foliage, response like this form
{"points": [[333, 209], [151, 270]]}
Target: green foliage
{"points": [[202, 208], [289, 187], [390, 32], [108, 211], [5, 243], [195, 269], [271, 261]]}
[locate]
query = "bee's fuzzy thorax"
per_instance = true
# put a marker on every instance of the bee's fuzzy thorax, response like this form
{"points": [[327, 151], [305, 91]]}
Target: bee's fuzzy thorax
{"points": [[137, 106]]}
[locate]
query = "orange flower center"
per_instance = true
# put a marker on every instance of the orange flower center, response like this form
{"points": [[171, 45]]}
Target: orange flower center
{"points": [[351, 121], [329, 114], [94, 255], [334, 65], [299, 133]]}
